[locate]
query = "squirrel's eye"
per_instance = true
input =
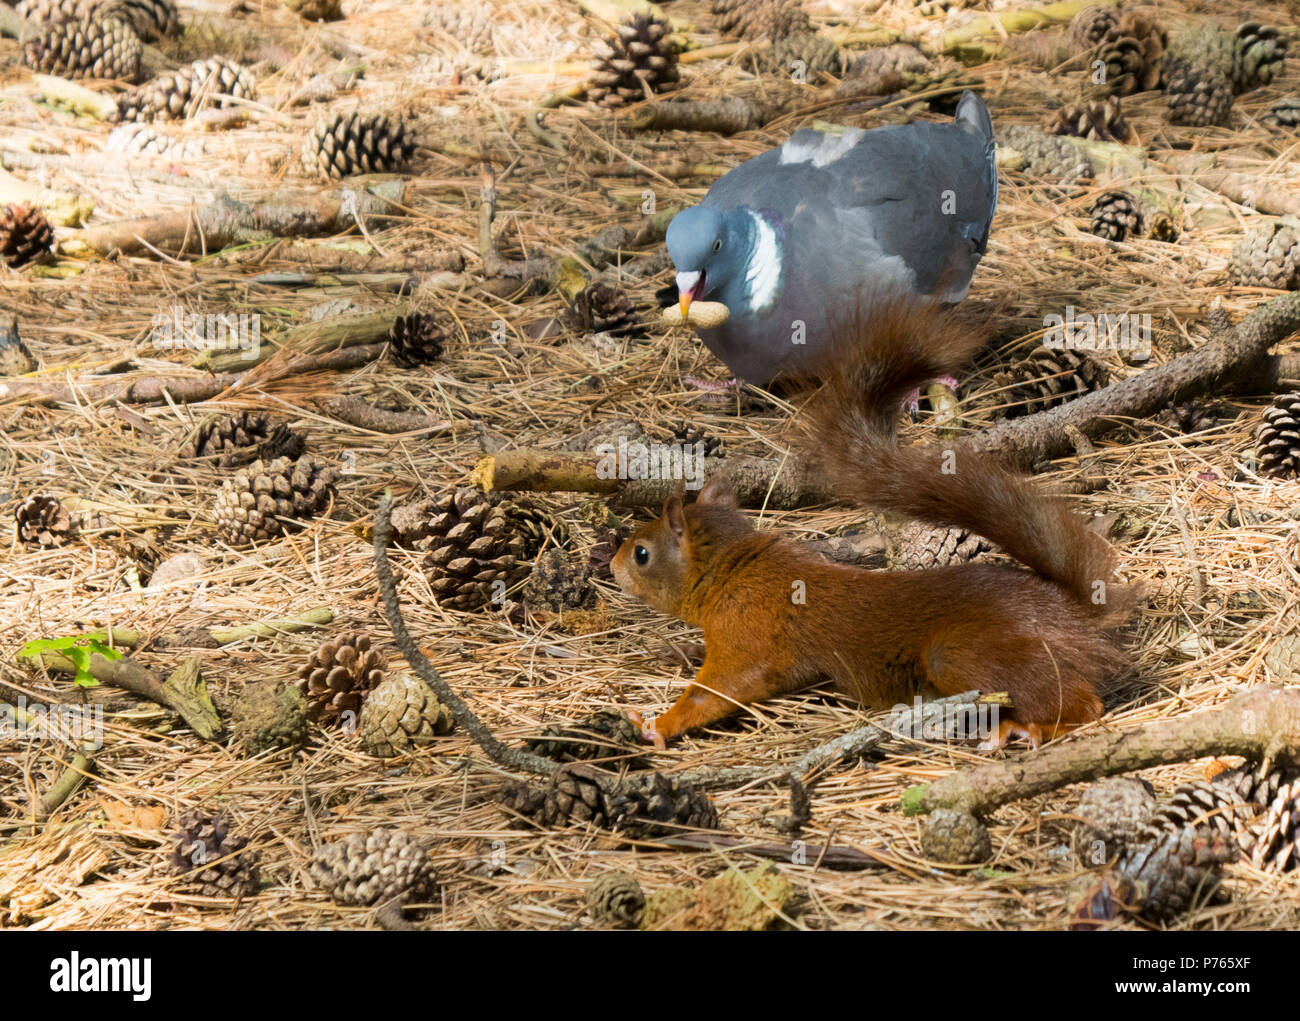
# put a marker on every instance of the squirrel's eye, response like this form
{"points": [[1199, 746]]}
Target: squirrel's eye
{"points": [[717, 244], [641, 555]]}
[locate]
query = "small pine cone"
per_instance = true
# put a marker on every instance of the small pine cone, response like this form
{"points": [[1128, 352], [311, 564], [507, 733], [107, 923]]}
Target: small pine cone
{"points": [[1258, 56], [416, 339], [270, 715], [400, 714], [921, 547], [372, 868], [15, 356], [808, 52], [558, 583], [1117, 811], [1049, 157], [107, 48], [471, 27], [1093, 26], [1284, 114], [1104, 121], [233, 872], [1192, 417], [151, 19], [1269, 256], [1277, 835], [1047, 378], [616, 901], [604, 734], [1197, 96], [955, 838], [599, 308], [638, 806], [1133, 53], [479, 545], [357, 143], [43, 521], [1115, 216], [208, 84], [756, 19], [338, 676], [1177, 871], [638, 61], [602, 553], [25, 235], [1277, 443], [226, 441], [269, 497], [1160, 227], [690, 435]]}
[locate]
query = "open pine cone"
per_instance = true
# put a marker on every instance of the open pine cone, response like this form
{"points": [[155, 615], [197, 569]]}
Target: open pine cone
{"points": [[400, 714], [370, 868], [269, 497], [225, 441], [151, 19], [758, 19], [416, 339], [600, 308], [99, 48], [921, 547], [357, 143], [43, 521], [1103, 121], [638, 61], [25, 235], [214, 861], [208, 84], [1115, 216], [338, 676], [1277, 835], [1268, 256], [1277, 443], [605, 734], [1047, 378]]}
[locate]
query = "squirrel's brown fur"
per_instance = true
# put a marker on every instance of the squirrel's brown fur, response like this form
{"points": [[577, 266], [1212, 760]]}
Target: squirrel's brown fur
{"points": [[776, 616]]}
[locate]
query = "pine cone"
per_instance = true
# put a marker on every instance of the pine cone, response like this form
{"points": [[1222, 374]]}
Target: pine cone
{"points": [[616, 901], [1277, 836], [479, 544], [1093, 26], [1160, 227], [178, 95], [755, 19], [1104, 121], [372, 868], [955, 838], [225, 441], [1118, 812], [1197, 96], [557, 583], [602, 553], [637, 62], [15, 357], [400, 714], [1277, 443], [688, 434], [253, 504], [1049, 157], [1222, 807], [151, 19], [599, 308], [416, 339], [1133, 53], [809, 52], [605, 734], [357, 144], [102, 48], [1283, 114], [25, 235], [921, 547], [232, 872], [1192, 417], [1177, 871], [1269, 256], [471, 27], [43, 521], [338, 676], [1115, 216], [1258, 56], [270, 715], [1048, 378], [638, 806]]}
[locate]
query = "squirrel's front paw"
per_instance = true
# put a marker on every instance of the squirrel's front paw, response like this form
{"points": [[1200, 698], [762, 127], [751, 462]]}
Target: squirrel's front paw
{"points": [[648, 733], [1009, 730]]}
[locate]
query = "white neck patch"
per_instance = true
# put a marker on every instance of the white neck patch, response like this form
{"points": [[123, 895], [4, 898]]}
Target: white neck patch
{"points": [[763, 270]]}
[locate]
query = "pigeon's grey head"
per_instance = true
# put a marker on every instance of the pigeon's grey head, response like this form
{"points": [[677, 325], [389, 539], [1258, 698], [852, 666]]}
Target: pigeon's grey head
{"points": [[704, 244]]}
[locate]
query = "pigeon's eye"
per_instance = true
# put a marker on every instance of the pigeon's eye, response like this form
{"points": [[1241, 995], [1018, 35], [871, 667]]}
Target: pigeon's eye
{"points": [[717, 244], [641, 555]]}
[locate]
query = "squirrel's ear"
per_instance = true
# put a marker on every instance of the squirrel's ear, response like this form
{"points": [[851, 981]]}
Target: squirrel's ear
{"points": [[717, 492], [675, 515]]}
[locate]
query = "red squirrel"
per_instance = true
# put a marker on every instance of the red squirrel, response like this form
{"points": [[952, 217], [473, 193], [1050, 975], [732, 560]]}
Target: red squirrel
{"points": [[777, 617]]}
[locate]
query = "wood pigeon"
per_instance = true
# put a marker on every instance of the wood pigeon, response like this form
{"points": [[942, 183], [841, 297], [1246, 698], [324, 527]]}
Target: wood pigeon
{"points": [[808, 232]]}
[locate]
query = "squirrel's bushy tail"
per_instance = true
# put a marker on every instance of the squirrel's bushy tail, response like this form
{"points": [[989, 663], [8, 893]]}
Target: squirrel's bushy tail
{"points": [[853, 420]]}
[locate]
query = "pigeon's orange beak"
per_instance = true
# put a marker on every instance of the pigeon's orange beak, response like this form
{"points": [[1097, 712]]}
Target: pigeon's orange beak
{"points": [[689, 286]]}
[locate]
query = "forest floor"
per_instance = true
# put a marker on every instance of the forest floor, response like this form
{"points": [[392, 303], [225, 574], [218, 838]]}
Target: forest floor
{"points": [[1214, 543]]}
